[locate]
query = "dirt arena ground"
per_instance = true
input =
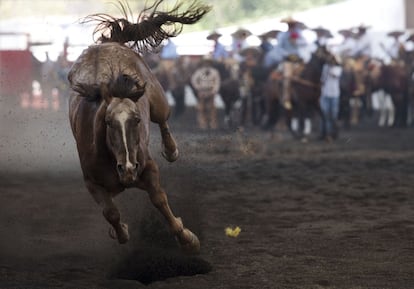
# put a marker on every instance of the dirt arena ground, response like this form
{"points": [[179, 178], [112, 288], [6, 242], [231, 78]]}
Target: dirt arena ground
{"points": [[313, 215]]}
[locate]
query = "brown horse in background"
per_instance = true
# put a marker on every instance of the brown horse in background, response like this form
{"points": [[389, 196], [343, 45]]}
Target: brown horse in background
{"points": [[115, 96], [175, 80], [305, 93], [408, 59], [307, 90], [273, 94], [394, 80]]}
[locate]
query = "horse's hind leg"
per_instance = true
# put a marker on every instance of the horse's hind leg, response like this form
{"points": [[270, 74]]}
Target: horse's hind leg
{"points": [[111, 213], [187, 239], [160, 112]]}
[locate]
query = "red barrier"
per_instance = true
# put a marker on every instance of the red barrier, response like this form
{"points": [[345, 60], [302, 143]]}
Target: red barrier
{"points": [[16, 70]]}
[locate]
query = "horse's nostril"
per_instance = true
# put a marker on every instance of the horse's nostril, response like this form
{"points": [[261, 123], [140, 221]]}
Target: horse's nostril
{"points": [[136, 166], [120, 168]]}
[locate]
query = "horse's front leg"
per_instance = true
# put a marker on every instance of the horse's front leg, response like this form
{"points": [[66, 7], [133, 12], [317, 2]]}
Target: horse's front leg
{"points": [[187, 239], [160, 112], [170, 150], [111, 213]]}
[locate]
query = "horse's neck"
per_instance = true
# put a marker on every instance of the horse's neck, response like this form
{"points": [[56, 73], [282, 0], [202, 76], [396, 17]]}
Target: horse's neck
{"points": [[312, 70], [99, 128]]}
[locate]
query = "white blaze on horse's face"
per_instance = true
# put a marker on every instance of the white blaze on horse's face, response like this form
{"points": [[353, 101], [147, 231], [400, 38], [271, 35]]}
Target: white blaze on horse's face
{"points": [[122, 119]]}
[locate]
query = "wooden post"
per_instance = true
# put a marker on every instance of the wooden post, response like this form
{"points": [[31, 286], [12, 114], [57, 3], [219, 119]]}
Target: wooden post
{"points": [[409, 14]]}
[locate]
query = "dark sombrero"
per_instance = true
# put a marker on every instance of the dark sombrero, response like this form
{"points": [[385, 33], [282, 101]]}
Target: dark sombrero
{"points": [[347, 33], [270, 34], [241, 33], [395, 33], [362, 27], [214, 35], [320, 31], [250, 51], [410, 37]]}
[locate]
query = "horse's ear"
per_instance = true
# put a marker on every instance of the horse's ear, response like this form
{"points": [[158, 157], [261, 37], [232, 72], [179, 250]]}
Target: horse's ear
{"points": [[321, 51], [105, 93], [137, 92], [90, 92], [127, 86]]}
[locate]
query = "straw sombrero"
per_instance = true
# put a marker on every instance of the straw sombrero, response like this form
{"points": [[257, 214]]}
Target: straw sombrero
{"points": [[289, 20]]}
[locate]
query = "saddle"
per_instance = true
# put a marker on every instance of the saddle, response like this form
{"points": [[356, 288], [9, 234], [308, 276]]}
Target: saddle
{"points": [[293, 58], [297, 69]]}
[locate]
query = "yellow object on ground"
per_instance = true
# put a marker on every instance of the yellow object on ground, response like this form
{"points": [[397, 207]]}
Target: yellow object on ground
{"points": [[232, 232]]}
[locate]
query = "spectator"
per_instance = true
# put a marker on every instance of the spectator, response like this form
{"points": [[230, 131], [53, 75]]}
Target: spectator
{"points": [[396, 50], [290, 42], [266, 40], [169, 50], [322, 36], [347, 46], [329, 101], [206, 83], [362, 48], [239, 43], [270, 52], [168, 58], [49, 76], [219, 52]]}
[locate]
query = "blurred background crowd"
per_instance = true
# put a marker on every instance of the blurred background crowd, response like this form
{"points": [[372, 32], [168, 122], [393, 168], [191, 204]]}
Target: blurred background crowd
{"points": [[313, 71]]}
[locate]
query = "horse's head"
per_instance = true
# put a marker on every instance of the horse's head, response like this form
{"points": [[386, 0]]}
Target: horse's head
{"points": [[313, 69], [122, 119], [323, 55]]}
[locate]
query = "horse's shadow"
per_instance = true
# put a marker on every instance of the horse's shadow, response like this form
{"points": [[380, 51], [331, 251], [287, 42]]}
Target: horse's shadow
{"points": [[154, 256], [150, 264]]}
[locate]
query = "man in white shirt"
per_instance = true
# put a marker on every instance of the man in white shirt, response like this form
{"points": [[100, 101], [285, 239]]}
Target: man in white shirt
{"points": [[362, 48], [329, 100], [397, 49], [239, 42], [219, 52], [347, 46]]}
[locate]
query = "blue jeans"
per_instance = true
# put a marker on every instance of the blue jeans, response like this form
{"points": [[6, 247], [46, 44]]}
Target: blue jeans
{"points": [[330, 110]]}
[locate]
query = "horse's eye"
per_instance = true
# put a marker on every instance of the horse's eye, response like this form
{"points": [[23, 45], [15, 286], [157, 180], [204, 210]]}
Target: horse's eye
{"points": [[108, 122], [137, 119]]}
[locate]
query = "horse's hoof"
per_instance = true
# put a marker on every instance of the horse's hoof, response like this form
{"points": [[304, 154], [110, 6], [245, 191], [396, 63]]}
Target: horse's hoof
{"points": [[122, 236], [189, 242], [171, 157]]}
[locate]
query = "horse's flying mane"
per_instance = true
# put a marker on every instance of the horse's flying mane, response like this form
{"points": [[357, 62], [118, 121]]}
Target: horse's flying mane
{"points": [[151, 27]]}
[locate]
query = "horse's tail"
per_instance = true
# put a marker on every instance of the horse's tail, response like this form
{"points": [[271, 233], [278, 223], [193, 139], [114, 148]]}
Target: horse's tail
{"points": [[152, 27]]}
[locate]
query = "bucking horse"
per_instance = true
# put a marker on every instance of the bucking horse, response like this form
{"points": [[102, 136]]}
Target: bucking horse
{"points": [[114, 97]]}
